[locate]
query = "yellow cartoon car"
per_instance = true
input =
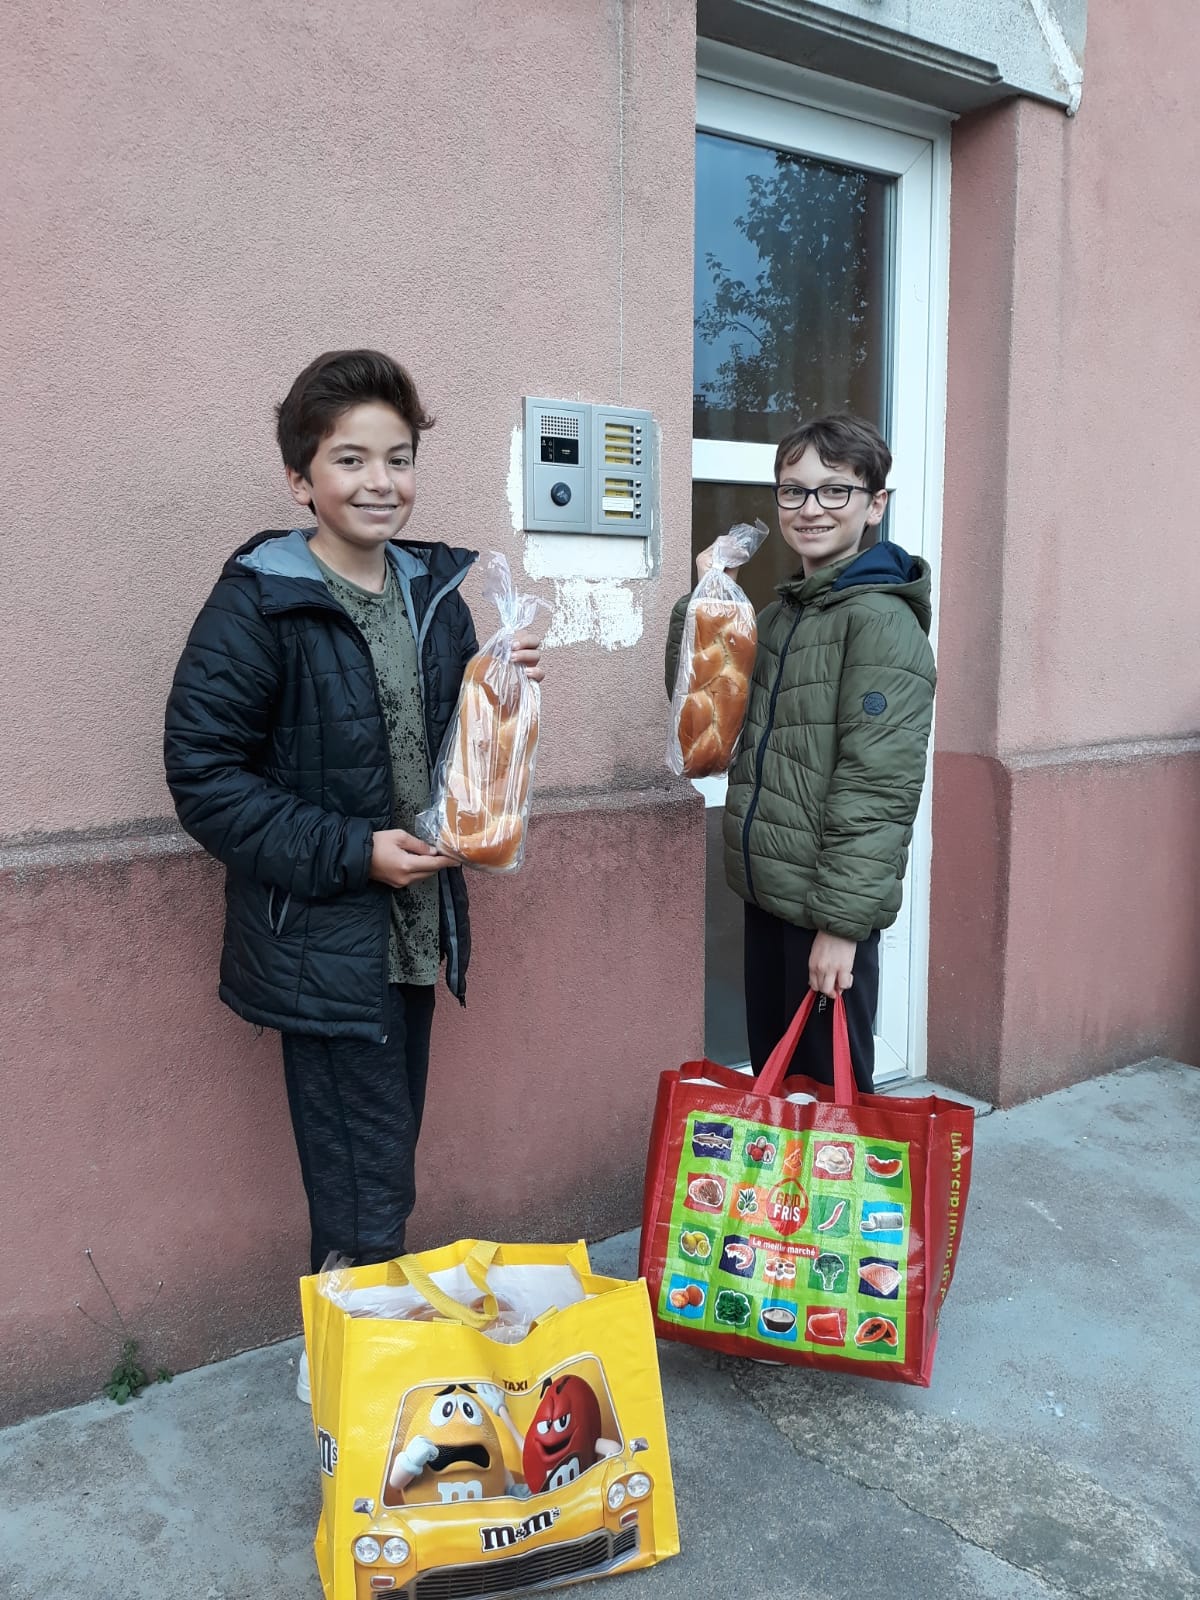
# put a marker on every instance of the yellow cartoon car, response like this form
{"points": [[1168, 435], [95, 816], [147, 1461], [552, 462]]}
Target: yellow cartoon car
{"points": [[475, 1504]]}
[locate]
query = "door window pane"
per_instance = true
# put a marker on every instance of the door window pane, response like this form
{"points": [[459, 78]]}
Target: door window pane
{"points": [[715, 509], [791, 290]]}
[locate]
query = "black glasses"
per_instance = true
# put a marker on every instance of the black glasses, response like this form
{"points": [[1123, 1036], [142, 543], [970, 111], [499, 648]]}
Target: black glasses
{"points": [[830, 496]]}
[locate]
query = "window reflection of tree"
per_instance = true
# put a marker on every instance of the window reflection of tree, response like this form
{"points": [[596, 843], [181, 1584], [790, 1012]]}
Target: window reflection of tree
{"points": [[804, 335]]}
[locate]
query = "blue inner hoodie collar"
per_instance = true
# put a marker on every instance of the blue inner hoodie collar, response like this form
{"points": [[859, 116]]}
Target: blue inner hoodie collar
{"points": [[290, 557], [882, 563]]}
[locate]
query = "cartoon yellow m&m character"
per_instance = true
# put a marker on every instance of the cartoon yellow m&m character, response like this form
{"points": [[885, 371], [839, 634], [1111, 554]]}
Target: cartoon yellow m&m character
{"points": [[449, 1449]]}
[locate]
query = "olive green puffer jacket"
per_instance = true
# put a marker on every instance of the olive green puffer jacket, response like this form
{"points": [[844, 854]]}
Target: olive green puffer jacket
{"points": [[824, 787]]}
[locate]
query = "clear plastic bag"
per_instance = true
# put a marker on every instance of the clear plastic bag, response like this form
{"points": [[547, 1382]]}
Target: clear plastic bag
{"points": [[716, 660], [479, 808]]}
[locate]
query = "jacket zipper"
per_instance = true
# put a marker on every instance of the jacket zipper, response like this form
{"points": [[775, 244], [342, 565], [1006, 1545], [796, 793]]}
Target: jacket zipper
{"points": [[384, 899], [446, 898], [276, 926], [760, 757], [452, 958]]}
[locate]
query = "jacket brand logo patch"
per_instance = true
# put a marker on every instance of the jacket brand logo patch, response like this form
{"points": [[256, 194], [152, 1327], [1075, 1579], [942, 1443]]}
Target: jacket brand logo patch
{"points": [[874, 703]]}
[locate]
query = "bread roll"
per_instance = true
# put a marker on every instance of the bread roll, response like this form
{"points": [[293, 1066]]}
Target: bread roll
{"points": [[489, 767], [724, 644]]}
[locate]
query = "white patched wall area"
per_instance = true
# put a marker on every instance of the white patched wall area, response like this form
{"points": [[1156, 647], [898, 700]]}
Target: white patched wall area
{"points": [[593, 575]]}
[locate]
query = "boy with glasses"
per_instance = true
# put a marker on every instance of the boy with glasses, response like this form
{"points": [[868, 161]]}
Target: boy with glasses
{"points": [[826, 781]]}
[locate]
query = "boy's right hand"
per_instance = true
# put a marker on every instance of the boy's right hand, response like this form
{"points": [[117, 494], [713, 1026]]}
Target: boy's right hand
{"points": [[399, 858]]}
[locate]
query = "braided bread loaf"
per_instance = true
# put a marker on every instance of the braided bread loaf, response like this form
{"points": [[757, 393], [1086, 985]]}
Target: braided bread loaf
{"points": [[489, 766], [724, 642]]}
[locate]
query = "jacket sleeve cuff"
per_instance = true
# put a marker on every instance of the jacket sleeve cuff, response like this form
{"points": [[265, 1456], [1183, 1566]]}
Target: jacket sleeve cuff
{"points": [[360, 837], [843, 927]]}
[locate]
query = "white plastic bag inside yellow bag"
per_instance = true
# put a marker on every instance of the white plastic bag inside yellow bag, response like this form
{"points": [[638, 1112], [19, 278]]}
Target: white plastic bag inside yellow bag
{"points": [[512, 1297]]}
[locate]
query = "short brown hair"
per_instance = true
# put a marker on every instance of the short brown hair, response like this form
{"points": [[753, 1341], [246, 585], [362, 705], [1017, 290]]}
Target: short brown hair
{"points": [[841, 440], [333, 384]]}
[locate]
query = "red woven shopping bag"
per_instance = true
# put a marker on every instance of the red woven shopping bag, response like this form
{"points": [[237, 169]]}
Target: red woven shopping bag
{"points": [[819, 1231]]}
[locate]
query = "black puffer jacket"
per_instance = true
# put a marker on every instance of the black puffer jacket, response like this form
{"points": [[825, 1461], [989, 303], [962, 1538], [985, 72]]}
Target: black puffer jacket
{"points": [[278, 762]]}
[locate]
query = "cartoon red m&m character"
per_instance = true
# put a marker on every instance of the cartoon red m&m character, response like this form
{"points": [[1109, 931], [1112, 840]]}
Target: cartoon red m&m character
{"points": [[563, 1438]]}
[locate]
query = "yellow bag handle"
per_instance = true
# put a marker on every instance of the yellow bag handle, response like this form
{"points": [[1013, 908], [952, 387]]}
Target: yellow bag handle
{"points": [[476, 1263], [483, 1253]]}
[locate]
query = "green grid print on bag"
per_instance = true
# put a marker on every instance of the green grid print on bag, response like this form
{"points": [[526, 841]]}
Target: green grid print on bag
{"points": [[787, 1239]]}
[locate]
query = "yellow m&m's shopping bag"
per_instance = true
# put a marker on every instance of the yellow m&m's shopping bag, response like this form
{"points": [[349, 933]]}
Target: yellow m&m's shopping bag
{"points": [[489, 1420]]}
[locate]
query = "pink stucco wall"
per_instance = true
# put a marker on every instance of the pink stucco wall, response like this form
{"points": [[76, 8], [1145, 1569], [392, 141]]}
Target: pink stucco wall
{"points": [[145, 1122], [195, 204], [1065, 924], [1102, 567], [1075, 403], [1064, 805]]}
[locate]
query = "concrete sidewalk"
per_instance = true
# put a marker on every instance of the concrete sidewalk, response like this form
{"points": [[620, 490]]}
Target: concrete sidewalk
{"points": [[1055, 1454]]}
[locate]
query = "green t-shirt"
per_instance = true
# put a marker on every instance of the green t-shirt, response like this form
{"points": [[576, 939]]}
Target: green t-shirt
{"points": [[383, 622]]}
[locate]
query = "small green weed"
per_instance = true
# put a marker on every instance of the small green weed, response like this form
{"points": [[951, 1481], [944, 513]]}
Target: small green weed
{"points": [[129, 1376]]}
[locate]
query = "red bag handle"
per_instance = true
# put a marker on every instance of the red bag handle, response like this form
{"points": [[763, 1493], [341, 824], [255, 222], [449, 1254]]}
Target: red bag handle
{"points": [[770, 1079]]}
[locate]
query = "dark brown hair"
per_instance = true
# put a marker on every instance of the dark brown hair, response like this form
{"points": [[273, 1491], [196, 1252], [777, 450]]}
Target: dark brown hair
{"points": [[333, 384], [841, 440]]}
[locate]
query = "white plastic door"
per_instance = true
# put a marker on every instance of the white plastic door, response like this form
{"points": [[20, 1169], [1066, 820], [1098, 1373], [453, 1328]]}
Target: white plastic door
{"points": [[821, 273]]}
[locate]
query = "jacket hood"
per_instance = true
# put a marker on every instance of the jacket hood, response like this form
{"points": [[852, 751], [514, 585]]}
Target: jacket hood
{"points": [[287, 571], [884, 567]]}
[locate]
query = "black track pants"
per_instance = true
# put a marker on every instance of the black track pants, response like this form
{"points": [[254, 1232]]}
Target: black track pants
{"points": [[356, 1112], [776, 975]]}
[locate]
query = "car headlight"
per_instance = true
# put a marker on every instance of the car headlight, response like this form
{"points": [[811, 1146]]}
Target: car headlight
{"points": [[616, 1496], [366, 1548], [396, 1551], [639, 1486]]}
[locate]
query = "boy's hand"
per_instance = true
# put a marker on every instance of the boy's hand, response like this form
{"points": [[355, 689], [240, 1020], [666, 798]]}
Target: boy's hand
{"points": [[831, 964], [398, 858], [705, 560], [527, 653]]}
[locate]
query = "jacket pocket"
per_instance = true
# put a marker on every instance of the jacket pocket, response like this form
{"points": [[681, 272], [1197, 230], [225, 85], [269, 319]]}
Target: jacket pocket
{"points": [[278, 905]]}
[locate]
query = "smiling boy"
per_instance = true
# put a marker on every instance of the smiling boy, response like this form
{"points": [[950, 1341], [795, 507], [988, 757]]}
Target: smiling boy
{"points": [[312, 695], [825, 786]]}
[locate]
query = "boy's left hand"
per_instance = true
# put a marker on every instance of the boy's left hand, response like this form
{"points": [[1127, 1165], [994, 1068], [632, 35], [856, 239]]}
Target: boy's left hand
{"points": [[831, 964], [527, 653]]}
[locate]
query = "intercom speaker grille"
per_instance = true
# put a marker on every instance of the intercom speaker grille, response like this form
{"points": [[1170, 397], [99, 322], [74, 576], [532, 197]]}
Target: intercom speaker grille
{"points": [[560, 427]]}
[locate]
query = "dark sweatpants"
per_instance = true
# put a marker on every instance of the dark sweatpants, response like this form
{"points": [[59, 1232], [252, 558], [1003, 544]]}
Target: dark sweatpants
{"points": [[356, 1113], [776, 957]]}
